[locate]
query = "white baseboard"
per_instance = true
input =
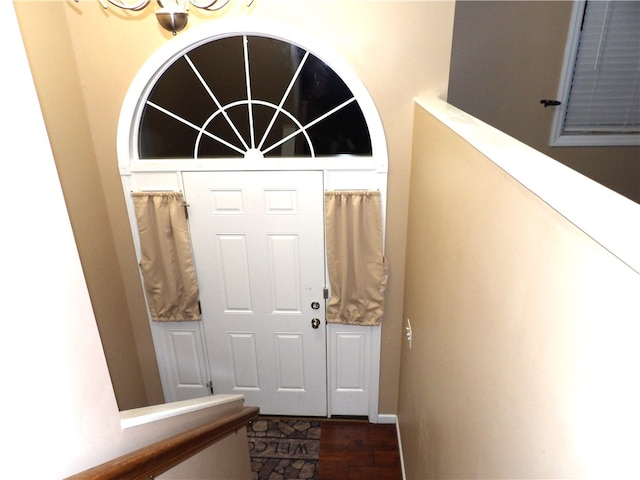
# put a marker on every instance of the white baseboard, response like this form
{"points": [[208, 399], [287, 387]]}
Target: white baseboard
{"points": [[387, 418], [404, 475], [393, 419]]}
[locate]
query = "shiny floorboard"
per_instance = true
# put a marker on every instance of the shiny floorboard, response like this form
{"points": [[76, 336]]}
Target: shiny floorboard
{"points": [[358, 450]]}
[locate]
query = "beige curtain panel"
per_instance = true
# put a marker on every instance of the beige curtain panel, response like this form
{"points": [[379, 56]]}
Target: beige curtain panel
{"points": [[357, 269], [167, 261]]}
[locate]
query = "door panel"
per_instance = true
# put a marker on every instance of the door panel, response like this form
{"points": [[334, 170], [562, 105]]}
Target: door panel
{"points": [[351, 364], [235, 271], [181, 358], [284, 265], [289, 362], [258, 241], [244, 360]]}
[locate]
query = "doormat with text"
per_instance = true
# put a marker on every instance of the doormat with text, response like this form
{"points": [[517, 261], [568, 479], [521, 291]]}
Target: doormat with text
{"points": [[284, 448]]}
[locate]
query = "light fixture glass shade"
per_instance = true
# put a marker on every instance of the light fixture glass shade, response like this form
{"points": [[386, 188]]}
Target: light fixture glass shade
{"points": [[173, 14], [172, 19]]}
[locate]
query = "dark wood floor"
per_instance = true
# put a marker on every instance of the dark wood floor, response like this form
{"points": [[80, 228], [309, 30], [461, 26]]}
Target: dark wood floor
{"points": [[358, 450]]}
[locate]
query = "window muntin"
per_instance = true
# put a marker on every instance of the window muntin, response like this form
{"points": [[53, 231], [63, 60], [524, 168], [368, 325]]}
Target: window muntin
{"points": [[251, 96]]}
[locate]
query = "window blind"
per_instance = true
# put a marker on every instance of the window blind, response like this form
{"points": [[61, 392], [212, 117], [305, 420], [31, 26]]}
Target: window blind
{"points": [[604, 96]]}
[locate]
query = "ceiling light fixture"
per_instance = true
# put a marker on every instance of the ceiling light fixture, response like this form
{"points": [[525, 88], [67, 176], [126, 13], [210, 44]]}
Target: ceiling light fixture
{"points": [[172, 14]]}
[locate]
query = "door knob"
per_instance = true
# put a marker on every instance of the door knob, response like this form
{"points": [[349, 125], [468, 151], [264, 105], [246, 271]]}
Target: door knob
{"points": [[315, 323]]}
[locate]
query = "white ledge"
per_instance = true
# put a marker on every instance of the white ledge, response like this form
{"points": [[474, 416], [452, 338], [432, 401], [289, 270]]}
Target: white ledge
{"points": [[606, 216], [140, 416]]}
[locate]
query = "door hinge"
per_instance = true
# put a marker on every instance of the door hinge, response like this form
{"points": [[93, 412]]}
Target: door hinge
{"points": [[186, 210], [199, 307], [325, 293], [209, 385]]}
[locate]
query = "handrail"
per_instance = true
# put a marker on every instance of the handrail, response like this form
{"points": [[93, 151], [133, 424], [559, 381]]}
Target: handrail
{"points": [[152, 460]]}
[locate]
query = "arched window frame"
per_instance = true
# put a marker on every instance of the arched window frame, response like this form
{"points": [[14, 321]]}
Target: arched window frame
{"points": [[133, 105]]}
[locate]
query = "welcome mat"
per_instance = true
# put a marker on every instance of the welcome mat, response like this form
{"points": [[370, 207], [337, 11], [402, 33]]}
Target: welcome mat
{"points": [[283, 448]]}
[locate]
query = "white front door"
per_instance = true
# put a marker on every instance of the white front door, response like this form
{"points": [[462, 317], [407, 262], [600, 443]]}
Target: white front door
{"points": [[258, 242]]}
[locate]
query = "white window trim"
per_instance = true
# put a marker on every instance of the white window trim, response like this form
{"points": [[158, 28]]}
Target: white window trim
{"points": [[558, 138], [127, 134]]}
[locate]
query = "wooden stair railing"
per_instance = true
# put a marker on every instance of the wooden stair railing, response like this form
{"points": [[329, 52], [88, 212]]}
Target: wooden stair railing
{"points": [[152, 460]]}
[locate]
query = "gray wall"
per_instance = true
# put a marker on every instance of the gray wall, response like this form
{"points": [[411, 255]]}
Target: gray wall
{"points": [[506, 57]]}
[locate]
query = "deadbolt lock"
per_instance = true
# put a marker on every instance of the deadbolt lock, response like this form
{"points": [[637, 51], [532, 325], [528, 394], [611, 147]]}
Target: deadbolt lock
{"points": [[315, 305]]}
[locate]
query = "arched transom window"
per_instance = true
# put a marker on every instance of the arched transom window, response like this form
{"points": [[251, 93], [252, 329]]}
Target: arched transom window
{"points": [[250, 96]]}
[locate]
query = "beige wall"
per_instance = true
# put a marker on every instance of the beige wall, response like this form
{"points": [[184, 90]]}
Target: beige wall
{"points": [[506, 57], [128, 346], [524, 341], [60, 414], [399, 50]]}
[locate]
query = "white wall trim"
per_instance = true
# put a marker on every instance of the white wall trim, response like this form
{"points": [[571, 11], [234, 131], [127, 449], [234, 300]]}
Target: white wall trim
{"points": [[606, 216], [141, 416], [393, 419], [387, 418], [404, 473], [374, 373], [571, 47]]}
